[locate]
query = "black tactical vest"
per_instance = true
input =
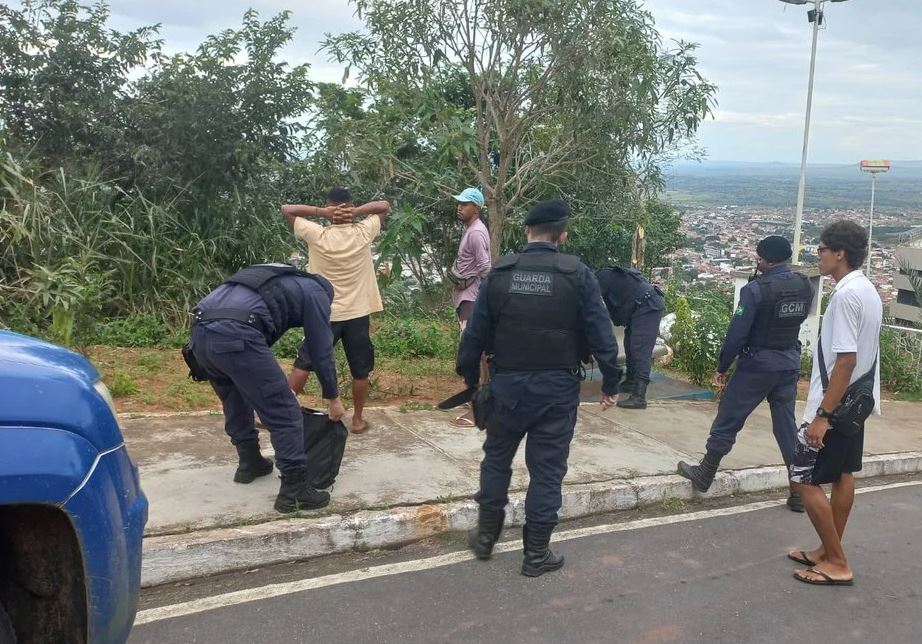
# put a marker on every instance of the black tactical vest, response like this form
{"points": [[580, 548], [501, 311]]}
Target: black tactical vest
{"points": [[621, 288], [284, 308], [535, 301], [785, 304]]}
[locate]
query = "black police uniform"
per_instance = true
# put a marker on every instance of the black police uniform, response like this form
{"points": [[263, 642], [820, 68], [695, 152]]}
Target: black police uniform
{"points": [[764, 334], [637, 305], [234, 327], [537, 316]]}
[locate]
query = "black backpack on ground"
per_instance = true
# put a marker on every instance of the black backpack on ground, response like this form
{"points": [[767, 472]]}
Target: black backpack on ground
{"points": [[324, 443]]}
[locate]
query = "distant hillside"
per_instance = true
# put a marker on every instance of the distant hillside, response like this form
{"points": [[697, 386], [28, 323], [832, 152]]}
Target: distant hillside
{"points": [[715, 183]]}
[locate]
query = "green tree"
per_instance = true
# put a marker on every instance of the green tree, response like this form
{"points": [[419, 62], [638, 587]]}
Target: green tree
{"points": [[557, 87], [63, 75]]}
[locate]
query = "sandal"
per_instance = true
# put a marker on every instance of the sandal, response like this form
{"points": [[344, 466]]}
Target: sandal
{"points": [[802, 558], [825, 581], [462, 421]]}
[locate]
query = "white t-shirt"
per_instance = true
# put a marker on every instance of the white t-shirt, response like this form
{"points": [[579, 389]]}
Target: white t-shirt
{"points": [[851, 325]]}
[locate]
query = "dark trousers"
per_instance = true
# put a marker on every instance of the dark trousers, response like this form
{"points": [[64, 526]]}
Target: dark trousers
{"points": [[546, 450], [745, 391], [247, 378], [640, 338]]}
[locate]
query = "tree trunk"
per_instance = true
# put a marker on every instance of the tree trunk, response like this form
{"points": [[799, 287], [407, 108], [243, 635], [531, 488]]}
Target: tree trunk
{"points": [[496, 209]]}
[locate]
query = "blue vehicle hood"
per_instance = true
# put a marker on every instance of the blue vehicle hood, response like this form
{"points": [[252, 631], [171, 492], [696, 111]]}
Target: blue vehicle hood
{"points": [[27, 351], [45, 385]]}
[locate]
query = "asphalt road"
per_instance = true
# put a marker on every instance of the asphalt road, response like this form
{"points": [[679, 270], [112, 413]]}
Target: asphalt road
{"points": [[721, 577]]}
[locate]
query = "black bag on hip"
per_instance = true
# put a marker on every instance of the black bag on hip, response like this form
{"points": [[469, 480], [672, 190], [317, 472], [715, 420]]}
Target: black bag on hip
{"points": [[195, 369], [482, 406], [858, 402]]}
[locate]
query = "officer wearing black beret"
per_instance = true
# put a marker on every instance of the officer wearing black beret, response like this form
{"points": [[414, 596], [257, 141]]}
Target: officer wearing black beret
{"points": [[538, 316], [763, 339]]}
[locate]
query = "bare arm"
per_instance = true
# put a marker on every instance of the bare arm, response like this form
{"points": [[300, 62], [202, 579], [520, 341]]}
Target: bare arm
{"points": [[380, 208], [292, 211], [839, 378], [838, 382]]}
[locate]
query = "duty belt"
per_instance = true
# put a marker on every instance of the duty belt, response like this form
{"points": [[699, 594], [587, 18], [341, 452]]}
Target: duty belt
{"points": [[239, 315]]}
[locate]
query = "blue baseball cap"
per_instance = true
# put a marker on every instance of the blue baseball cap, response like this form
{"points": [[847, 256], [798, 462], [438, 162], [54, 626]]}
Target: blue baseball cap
{"points": [[471, 195]]}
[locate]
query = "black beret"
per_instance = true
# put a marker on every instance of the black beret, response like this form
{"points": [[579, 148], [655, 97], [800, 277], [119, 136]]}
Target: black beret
{"points": [[774, 248], [547, 211]]}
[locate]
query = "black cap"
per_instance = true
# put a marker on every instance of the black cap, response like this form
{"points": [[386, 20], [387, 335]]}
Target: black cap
{"points": [[774, 248], [339, 195], [546, 212]]}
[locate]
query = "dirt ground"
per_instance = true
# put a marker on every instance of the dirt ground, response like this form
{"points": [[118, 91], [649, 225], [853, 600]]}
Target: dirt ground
{"points": [[155, 380]]}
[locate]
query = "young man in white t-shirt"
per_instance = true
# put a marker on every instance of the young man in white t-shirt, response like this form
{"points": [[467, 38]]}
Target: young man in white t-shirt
{"points": [[850, 341]]}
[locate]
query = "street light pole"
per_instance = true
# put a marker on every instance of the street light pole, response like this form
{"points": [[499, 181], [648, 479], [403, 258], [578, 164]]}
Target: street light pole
{"points": [[871, 223], [801, 188], [873, 168]]}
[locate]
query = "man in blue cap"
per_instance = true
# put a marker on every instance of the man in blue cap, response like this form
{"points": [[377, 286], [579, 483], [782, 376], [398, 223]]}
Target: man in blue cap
{"points": [[763, 340], [538, 316], [470, 267]]}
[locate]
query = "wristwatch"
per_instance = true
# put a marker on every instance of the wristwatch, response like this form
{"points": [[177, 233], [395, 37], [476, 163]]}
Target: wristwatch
{"points": [[822, 413]]}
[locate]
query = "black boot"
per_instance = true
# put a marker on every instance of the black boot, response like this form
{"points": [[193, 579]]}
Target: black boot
{"points": [[701, 475], [795, 503], [627, 385], [538, 557], [252, 464], [638, 397], [295, 493], [489, 527]]}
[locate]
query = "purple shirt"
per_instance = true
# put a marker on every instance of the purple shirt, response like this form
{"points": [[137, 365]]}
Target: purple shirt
{"points": [[473, 259]]}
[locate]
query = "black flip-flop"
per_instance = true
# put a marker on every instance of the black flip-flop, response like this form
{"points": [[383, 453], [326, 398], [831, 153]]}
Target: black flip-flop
{"points": [[802, 559], [825, 581]]}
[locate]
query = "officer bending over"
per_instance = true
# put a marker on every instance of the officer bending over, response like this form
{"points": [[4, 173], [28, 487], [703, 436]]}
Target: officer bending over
{"points": [[538, 315], [234, 327], [636, 305], [763, 333]]}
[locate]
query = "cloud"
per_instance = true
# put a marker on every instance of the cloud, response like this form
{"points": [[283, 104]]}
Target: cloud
{"points": [[868, 84]]}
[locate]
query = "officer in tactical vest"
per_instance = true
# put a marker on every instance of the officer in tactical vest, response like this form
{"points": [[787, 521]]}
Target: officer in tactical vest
{"points": [[234, 327], [538, 316], [637, 305], [763, 334]]}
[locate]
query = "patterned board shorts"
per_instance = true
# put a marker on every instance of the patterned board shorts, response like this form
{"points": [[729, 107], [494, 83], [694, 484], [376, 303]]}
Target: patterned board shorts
{"points": [[840, 454], [804, 460]]}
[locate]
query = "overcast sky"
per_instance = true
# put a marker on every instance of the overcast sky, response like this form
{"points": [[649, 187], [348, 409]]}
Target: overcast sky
{"points": [[868, 92]]}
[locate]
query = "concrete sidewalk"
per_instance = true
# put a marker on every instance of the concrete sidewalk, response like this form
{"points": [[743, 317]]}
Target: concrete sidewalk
{"points": [[415, 467]]}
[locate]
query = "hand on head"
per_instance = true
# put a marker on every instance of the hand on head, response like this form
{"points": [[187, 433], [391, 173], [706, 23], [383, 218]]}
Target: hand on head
{"points": [[342, 214]]}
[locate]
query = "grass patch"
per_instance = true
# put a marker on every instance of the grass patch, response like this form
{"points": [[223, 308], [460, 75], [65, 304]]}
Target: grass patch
{"points": [[672, 504], [121, 385]]}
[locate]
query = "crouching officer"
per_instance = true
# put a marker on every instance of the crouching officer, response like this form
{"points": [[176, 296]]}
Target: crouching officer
{"points": [[637, 305], [763, 333], [234, 327], [538, 315]]}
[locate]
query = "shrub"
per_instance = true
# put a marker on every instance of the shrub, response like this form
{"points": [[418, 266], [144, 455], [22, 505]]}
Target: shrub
{"points": [[415, 338], [121, 385], [900, 368], [141, 330]]}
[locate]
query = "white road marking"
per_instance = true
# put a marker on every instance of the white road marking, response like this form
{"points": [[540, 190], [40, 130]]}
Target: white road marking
{"points": [[386, 570]]}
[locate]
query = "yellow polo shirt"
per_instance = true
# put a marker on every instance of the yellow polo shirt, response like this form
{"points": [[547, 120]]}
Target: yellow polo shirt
{"points": [[342, 254]]}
